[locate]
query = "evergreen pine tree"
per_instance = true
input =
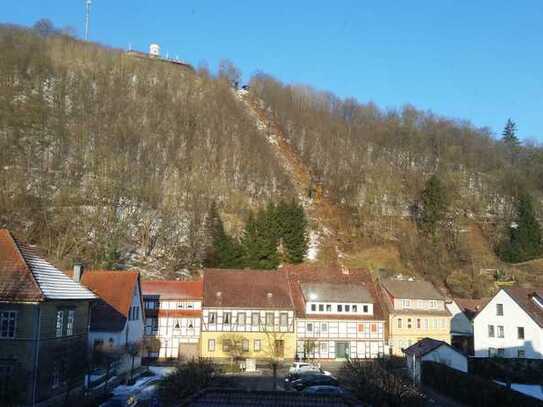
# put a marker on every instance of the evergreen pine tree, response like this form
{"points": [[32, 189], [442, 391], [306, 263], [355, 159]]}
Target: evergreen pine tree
{"points": [[510, 139], [224, 251], [259, 241], [434, 206], [294, 233], [509, 135], [525, 240]]}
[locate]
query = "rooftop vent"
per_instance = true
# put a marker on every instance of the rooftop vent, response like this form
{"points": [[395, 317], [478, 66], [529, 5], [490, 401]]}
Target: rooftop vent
{"points": [[219, 294]]}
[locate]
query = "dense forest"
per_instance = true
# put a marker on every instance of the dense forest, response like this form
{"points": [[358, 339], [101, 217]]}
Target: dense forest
{"points": [[119, 161]]}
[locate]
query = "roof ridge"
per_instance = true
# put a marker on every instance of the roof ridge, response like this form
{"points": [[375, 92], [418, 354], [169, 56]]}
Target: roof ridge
{"points": [[25, 262]]}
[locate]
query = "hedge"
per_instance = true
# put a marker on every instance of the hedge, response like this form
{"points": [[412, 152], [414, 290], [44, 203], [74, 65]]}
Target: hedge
{"points": [[472, 390], [527, 371]]}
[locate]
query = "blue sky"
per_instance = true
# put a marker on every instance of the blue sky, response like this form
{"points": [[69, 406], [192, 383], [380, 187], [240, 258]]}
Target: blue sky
{"points": [[476, 60]]}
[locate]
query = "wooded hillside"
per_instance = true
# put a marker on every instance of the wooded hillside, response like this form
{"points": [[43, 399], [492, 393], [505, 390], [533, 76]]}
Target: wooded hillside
{"points": [[116, 161], [110, 159]]}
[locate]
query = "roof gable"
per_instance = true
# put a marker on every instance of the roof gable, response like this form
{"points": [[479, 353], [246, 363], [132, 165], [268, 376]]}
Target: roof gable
{"points": [[411, 289], [174, 289], [329, 292], [299, 275], [524, 297], [116, 288], [25, 276], [246, 289]]}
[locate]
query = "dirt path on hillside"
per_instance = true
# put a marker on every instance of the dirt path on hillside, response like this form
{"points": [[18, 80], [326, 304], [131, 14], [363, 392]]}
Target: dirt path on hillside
{"points": [[327, 239]]}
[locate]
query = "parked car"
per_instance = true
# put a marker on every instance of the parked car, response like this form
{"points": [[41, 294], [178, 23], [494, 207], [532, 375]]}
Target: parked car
{"points": [[299, 366], [313, 380], [326, 390], [295, 376]]}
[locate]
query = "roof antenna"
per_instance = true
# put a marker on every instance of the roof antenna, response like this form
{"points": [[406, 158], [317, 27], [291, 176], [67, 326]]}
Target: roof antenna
{"points": [[87, 18]]}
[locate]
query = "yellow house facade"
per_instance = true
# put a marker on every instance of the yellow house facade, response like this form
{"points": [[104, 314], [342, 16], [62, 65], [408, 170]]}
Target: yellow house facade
{"points": [[416, 310], [247, 314]]}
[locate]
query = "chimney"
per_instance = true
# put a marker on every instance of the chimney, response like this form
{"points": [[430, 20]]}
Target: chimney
{"points": [[270, 295], [78, 272], [344, 270]]}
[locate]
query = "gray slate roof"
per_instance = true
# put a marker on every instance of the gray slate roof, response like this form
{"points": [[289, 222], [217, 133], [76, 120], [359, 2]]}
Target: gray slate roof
{"points": [[329, 292], [411, 289], [54, 284]]}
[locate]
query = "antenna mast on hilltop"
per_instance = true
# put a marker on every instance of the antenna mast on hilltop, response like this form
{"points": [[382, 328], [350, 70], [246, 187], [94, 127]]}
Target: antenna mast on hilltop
{"points": [[87, 17]]}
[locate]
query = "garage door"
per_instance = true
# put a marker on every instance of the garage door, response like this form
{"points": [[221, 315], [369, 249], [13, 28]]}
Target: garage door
{"points": [[188, 350]]}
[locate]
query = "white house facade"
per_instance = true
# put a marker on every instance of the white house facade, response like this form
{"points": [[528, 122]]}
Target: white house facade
{"points": [[337, 317], [432, 350], [511, 325], [173, 312], [117, 320]]}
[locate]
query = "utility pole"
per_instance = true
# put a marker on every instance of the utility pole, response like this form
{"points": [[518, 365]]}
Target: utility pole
{"points": [[87, 17]]}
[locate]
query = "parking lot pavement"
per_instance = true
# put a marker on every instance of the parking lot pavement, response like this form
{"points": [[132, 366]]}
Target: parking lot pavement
{"points": [[250, 382]]}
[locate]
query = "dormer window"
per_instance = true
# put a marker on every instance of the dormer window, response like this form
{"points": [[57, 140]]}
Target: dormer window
{"points": [[321, 307], [313, 307]]}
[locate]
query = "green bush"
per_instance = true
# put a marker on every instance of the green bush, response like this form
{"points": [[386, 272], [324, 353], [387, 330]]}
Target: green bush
{"points": [[188, 378], [528, 371]]}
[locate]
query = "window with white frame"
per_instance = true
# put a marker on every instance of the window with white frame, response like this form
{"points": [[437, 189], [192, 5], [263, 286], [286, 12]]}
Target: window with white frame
{"points": [[500, 331], [399, 323], [255, 319], [324, 348], [212, 318], [59, 323], [211, 345], [499, 310], [70, 322], [227, 317], [8, 324], [245, 345], [324, 327], [309, 327], [241, 318], [269, 319], [283, 319], [491, 331], [257, 345]]}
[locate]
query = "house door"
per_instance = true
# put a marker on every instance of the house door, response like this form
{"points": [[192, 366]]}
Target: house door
{"points": [[342, 350], [279, 348]]}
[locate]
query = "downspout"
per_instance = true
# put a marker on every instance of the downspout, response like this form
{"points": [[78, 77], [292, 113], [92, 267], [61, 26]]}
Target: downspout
{"points": [[36, 358]]}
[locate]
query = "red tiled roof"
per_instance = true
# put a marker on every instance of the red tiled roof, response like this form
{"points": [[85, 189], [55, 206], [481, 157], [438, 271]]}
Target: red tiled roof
{"points": [[332, 275], [246, 289], [16, 280], [173, 289], [524, 297], [25, 276], [471, 307], [116, 288]]}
